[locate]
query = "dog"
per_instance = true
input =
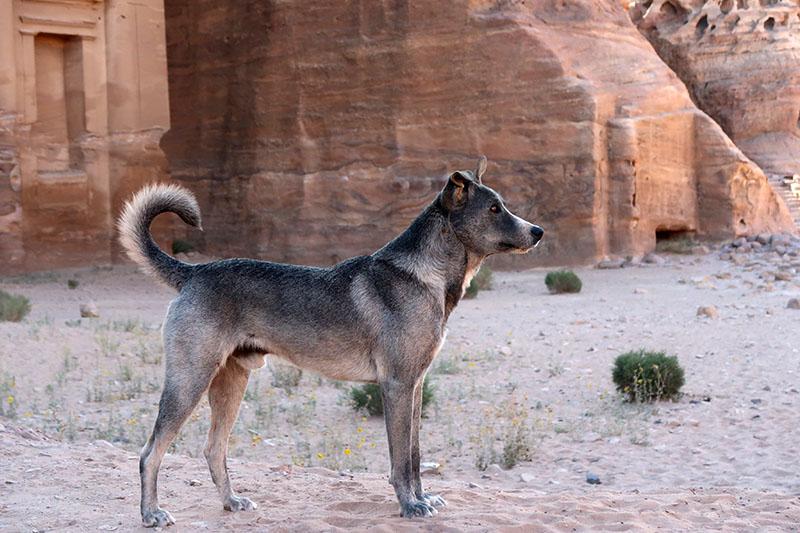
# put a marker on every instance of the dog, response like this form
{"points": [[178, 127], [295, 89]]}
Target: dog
{"points": [[378, 318]]}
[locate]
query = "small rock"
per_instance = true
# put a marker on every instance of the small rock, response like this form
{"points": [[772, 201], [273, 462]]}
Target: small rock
{"points": [[195, 483], [708, 311], [592, 479], [700, 250], [615, 263], [639, 291], [107, 528], [779, 249], [591, 437], [783, 276], [506, 350], [794, 303], [780, 240], [493, 470], [653, 259], [474, 486], [755, 401], [527, 478], [201, 525], [738, 243], [674, 423], [89, 310], [763, 238], [750, 238], [429, 469]]}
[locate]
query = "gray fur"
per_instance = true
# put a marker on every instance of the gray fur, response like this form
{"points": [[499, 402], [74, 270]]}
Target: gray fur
{"points": [[378, 318]]}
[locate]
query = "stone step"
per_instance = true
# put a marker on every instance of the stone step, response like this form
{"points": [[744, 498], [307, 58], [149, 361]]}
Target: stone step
{"points": [[791, 201]]}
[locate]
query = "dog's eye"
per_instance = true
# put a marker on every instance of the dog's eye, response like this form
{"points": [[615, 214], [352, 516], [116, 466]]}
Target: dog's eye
{"points": [[495, 208]]}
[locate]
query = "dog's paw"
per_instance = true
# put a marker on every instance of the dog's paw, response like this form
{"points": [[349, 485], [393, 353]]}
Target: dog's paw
{"points": [[236, 503], [417, 509], [157, 518], [433, 499]]}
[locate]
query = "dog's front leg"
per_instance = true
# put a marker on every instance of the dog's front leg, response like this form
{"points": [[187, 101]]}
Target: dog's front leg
{"points": [[398, 411], [419, 492]]}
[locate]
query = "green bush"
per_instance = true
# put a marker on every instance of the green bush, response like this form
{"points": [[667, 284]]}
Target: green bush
{"points": [[13, 307], [182, 246], [482, 281], [73, 283], [562, 281], [645, 376], [368, 397]]}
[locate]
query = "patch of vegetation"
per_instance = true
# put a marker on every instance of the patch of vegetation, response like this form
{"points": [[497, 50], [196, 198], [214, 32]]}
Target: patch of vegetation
{"points": [[506, 423], [562, 281], [646, 376], [446, 366], [368, 397], [285, 376], [182, 246], [482, 281], [13, 307], [73, 283]]}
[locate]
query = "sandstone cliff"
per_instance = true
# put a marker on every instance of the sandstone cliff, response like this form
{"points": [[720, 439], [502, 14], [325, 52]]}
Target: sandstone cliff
{"points": [[317, 130]]}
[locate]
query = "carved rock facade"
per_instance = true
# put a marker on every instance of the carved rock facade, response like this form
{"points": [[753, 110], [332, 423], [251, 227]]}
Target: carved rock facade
{"points": [[738, 58], [83, 105]]}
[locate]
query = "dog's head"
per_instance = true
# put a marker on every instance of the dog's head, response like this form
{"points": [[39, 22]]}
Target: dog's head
{"points": [[480, 218]]}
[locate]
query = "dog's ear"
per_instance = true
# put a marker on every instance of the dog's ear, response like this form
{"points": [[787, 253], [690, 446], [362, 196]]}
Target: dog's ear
{"points": [[480, 169], [454, 195]]}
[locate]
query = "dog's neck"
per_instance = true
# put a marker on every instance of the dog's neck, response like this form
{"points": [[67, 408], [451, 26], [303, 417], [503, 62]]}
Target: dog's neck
{"points": [[432, 253]]}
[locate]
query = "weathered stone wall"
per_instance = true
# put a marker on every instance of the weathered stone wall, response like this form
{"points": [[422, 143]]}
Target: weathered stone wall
{"points": [[83, 104], [317, 130], [739, 61]]}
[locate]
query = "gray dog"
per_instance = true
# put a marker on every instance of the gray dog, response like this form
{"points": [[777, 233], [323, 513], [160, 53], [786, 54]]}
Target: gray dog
{"points": [[378, 319]]}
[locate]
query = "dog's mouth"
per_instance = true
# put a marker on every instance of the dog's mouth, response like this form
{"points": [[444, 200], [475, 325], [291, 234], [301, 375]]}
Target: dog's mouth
{"points": [[514, 249]]}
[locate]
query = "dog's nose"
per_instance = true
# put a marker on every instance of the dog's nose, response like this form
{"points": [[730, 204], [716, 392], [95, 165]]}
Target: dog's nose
{"points": [[537, 232]]}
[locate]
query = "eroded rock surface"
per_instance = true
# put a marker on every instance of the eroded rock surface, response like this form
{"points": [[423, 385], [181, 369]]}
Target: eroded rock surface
{"points": [[738, 58], [315, 131]]}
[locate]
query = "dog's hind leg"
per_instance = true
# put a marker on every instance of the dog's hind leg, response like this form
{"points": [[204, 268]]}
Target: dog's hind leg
{"points": [[419, 492], [398, 411], [183, 388], [225, 395]]}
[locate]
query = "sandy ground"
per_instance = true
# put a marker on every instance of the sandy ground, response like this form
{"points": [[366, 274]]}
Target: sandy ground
{"points": [[722, 457]]}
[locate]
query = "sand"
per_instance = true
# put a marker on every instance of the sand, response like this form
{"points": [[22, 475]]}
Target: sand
{"points": [[721, 457]]}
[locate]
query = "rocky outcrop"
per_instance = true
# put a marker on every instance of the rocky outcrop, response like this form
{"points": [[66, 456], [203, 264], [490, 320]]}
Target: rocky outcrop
{"points": [[317, 130], [738, 58]]}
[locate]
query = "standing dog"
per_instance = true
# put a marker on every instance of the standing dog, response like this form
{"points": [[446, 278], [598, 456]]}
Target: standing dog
{"points": [[378, 318]]}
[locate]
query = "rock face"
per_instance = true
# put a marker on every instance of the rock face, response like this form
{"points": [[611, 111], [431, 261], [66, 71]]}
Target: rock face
{"points": [[313, 131], [83, 105], [738, 58]]}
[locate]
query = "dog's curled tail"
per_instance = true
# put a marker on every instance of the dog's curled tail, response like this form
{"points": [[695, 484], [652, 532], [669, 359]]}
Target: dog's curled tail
{"points": [[134, 230]]}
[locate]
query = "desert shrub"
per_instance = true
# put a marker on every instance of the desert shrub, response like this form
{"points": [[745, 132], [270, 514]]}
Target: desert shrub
{"points": [[645, 376], [73, 283], [368, 397], [182, 246], [508, 424], [482, 281], [285, 376], [13, 307], [562, 281]]}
